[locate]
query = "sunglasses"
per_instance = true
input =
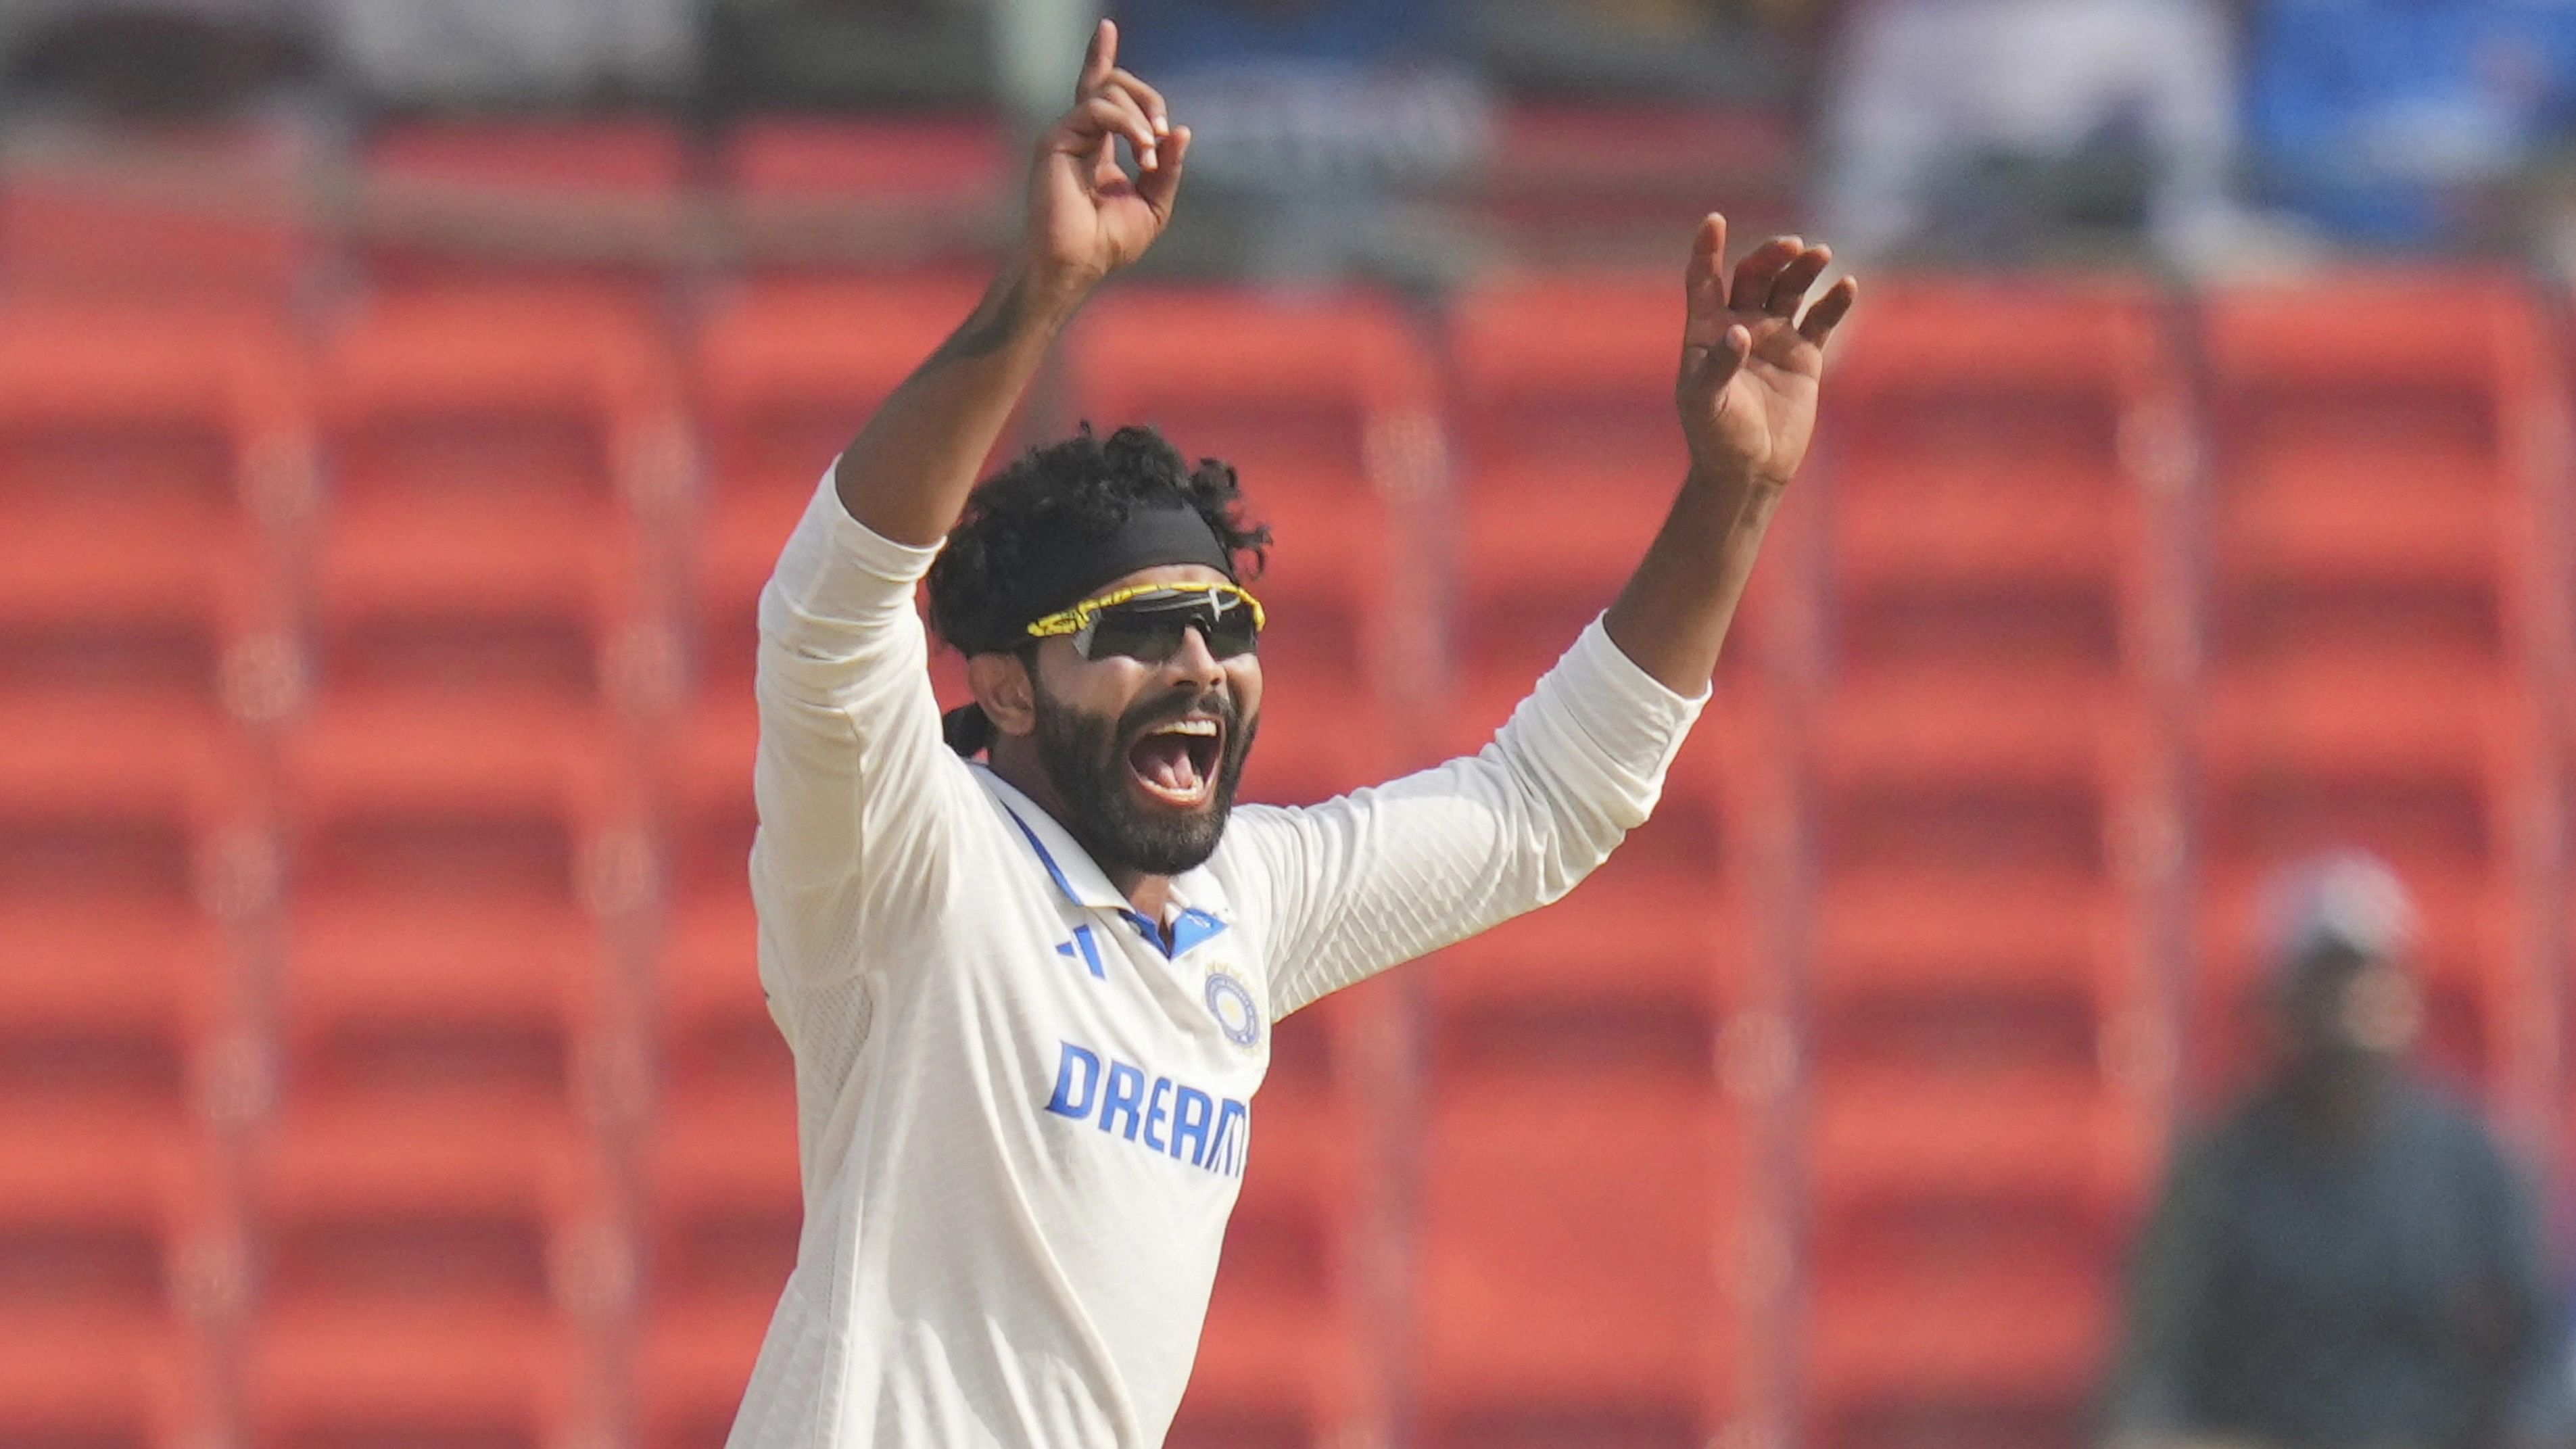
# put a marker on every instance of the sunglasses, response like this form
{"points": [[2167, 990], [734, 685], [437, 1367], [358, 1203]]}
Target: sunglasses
{"points": [[1149, 622]]}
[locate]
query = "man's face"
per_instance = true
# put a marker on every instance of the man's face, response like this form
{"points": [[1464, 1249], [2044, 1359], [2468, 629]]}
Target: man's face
{"points": [[2343, 1007], [1146, 757]]}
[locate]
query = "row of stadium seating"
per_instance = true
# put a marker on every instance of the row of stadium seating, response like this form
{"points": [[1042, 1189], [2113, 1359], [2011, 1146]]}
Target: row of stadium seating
{"points": [[275, 211], [258, 212], [383, 1053]]}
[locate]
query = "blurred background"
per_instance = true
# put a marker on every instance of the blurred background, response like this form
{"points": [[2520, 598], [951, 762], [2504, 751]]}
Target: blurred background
{"points": [[402, 402]]}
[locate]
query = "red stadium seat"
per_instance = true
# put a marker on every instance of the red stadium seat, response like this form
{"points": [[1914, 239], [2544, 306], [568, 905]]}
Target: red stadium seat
{"points": [[960, 159], [143, 784], [492, 453], [446, 905], [108, 1009], [1573, 1238], [112, 803], [2373, 496], [120, 840], [1993, 458], [1561, 370], [1973, 1338], [421, 1272], [2350, 456], [146, 453], [102, 1240], [484, 647], [173, 216], [450, 890], [578, 204], [916, 194]]}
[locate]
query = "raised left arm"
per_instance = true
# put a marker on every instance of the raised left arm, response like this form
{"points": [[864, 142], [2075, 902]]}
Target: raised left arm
{"points": [[1359, 883], [1747, 396]]}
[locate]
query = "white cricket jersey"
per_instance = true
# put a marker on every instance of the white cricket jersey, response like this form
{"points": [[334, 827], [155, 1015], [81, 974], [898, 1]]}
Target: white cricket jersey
{"points": [[1021, 1117]]}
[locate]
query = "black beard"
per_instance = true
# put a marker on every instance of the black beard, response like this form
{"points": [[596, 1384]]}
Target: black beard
{"points": [[1085, 758]]}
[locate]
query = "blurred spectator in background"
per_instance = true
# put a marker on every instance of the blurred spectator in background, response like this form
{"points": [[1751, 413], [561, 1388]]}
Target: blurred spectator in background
{"points": [[517, 52], [1964, 128], [1312, 121], [2404, 122], [2348, 1261]]}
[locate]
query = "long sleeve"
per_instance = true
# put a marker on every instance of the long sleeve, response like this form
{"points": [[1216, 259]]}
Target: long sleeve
{"points": [[1364, 881], [854, 784]]}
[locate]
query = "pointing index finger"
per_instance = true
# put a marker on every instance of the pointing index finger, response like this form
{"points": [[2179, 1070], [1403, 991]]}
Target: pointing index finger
{"points": [[1098, 59], [1707, 260]]}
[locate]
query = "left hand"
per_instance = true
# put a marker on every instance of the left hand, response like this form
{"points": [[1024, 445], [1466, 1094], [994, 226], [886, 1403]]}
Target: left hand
{"points": [[1750, 365]]}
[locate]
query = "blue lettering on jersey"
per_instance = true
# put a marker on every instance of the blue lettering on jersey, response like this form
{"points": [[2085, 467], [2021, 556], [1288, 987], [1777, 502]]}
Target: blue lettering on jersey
{"points": [[1070, 1100], [1225, 1149], [1156, 1114], [1126, 1094], [1206, 1132], [1192, 1111]]}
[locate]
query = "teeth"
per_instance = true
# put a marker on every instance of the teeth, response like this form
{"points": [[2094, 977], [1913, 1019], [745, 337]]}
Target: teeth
{"points": [[1202, 727]]}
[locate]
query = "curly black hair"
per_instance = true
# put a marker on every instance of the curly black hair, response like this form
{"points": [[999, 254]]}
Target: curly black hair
{"points": [[1085, 486]]}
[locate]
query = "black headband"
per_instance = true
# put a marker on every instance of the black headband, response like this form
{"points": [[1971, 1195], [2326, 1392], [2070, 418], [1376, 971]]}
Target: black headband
{"points": [[1069, 568]]}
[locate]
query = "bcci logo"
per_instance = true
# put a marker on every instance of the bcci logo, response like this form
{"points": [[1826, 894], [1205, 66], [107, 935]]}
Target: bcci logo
{"points": [[1230, 1002]]}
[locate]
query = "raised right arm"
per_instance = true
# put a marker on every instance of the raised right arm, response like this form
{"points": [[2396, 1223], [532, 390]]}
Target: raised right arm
{"points": [[907, 475], [853, 781]]}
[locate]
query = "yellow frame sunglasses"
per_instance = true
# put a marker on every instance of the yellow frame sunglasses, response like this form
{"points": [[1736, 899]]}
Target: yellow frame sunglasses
{"points": [[1213, 601]]}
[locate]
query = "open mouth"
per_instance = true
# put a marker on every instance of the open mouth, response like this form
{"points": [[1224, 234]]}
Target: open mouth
{"points": [[1176, 762]]}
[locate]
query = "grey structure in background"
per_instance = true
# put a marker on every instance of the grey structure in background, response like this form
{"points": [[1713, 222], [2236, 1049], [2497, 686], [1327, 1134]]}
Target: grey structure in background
{"points": [[819, 53]]}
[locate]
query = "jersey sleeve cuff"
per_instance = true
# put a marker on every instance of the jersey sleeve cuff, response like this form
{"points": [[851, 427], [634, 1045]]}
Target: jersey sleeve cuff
{"points": [[837, 570], [1630, 715]]}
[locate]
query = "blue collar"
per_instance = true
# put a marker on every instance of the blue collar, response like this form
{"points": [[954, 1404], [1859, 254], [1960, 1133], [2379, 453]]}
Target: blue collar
{"points": [[1082, 882]]}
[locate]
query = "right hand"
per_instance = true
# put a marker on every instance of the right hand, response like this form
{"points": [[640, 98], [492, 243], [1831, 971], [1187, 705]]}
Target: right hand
{"points": [[1086, 219]]}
